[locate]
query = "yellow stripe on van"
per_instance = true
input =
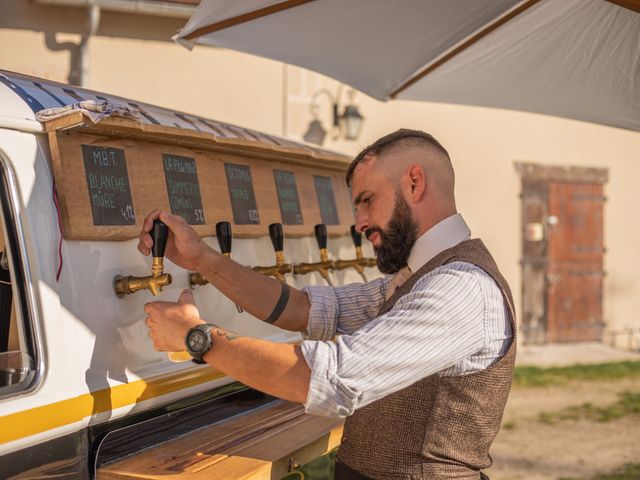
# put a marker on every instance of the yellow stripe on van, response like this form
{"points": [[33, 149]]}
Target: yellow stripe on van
{"points": [[46, 417]]}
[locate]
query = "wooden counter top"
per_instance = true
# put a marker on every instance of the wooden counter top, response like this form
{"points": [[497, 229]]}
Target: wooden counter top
{"points": [[257, 445]]}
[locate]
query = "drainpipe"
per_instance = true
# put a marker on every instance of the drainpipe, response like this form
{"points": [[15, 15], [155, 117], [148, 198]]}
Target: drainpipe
{"points": [[80, 71], [285, 100]]}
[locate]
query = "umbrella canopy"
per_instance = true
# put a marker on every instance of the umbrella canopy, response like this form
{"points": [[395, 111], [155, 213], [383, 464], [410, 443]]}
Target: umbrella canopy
{"points": [[572, 58]]}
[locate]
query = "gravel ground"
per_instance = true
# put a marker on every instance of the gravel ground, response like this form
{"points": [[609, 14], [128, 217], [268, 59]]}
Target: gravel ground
{"points": [[534, 450]]}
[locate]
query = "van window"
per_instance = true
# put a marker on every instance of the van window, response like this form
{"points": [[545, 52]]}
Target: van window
{"points": [[17, 342]]}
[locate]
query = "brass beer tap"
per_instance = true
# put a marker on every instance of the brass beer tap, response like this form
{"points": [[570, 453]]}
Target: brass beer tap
{"points": [[157, 280], [325, 264], [281, 267], [357, 241], [224, 236], [360, 262]]}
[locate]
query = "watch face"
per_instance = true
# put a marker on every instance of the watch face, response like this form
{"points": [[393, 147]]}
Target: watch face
{"points": [[197, 340]]}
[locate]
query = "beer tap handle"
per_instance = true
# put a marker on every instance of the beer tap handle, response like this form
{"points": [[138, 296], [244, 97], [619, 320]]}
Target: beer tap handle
{"points": [[356, 236], [357, 241], [159, 234], [277, 236], [320, 231], [224, 236], [325, 264]]}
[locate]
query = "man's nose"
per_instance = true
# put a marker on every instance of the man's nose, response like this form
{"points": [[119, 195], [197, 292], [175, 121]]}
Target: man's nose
{"points": [[362, 222]]}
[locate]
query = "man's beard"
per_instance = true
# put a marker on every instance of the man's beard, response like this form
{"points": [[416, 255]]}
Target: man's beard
{"points": [[397, 239]]}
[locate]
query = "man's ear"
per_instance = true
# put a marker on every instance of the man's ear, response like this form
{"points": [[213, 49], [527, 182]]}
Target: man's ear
{"points": [[417, 182]]}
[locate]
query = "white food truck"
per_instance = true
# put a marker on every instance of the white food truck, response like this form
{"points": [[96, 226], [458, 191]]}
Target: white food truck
{"points": [[83, 394]]}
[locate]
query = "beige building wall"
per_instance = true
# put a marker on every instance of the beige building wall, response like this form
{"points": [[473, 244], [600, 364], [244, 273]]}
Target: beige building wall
{"points": [[132, 56]]}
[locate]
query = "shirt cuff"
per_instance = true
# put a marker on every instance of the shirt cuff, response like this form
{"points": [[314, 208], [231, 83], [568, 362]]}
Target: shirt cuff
{"points": [[327, 396], [323, 314]]}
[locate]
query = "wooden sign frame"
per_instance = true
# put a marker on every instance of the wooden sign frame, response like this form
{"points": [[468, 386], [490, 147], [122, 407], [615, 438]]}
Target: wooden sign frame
{"points": [[144, 152]]}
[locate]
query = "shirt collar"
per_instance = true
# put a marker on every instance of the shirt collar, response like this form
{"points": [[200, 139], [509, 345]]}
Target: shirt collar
{"points": [[445, 234]]}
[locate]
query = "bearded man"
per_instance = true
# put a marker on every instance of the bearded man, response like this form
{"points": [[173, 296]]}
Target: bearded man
{"points": [[422, 362]]}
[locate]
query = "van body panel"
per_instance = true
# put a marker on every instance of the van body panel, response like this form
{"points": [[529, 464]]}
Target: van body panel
{"points": [[96, 367]]}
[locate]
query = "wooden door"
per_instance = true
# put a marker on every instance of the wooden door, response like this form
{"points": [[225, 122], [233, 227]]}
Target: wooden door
{"points": [[575, 262], [562, 253]]}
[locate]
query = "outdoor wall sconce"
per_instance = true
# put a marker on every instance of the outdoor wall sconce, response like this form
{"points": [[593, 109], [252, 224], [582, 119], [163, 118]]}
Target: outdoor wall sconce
{"points": [[347, 122]]}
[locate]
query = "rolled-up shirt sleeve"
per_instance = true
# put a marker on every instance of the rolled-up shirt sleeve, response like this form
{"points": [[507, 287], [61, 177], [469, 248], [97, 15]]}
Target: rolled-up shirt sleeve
{"points": [[343, 309], [323, 313], [438, 324]]}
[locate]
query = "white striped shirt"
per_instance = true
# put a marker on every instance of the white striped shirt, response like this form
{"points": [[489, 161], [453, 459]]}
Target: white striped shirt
{"points": [[454, 321]]}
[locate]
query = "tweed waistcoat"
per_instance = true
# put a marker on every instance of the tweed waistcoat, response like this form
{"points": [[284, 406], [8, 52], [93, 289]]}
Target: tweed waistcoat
{"points": [[439, 427]]}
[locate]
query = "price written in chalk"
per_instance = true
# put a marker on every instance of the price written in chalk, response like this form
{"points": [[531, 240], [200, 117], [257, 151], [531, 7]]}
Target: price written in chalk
{"points": [[183, 188], [241, 194], [288, 197], [108, 185]]}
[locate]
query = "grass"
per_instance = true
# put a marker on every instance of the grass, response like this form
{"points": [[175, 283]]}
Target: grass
{"points": [[509, 425], [525, 376], [627, 404], [627, 472], [320, 468]]}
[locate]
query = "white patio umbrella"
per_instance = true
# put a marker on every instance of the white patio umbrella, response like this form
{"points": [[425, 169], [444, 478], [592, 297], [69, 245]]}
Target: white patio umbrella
{"points": [[572, 58]]}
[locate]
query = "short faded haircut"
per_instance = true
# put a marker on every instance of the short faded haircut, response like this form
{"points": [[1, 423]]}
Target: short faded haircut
{"points": [[400, 138]]}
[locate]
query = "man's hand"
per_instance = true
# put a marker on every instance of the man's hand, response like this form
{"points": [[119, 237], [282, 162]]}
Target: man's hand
{"points": [[184, 247], [275, 368], [169, 322]]}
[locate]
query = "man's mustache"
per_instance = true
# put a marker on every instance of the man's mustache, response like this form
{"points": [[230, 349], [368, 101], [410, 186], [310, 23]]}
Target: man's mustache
{"points": [[371, 230]]}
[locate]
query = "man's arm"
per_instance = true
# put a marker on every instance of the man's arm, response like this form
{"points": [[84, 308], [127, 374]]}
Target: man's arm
{"points": [[256, 293], [278, 369], [275, 368]]}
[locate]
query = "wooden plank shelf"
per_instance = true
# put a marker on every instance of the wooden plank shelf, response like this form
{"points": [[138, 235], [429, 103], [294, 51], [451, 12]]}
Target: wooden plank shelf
{"points": [[289, 152], [257, 445]]}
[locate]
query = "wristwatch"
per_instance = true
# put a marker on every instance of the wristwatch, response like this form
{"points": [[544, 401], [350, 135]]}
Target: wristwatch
{"points": [[198, 342]]}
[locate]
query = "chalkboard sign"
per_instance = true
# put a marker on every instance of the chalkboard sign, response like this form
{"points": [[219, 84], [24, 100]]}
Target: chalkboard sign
{"points": [[243, 200], [288, 197], [326, 200], [183, 188], [108, 183]]}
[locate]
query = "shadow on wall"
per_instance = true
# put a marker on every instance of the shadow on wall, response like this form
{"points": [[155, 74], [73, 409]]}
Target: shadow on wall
{"points": [[61, 19]]}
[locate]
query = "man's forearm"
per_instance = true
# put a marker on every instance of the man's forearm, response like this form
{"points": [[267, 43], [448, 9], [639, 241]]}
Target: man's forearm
{"points": [[254, 292], [278, 369]]}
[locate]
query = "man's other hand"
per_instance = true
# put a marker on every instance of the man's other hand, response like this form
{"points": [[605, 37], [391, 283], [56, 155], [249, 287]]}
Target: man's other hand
{"points": [[169, 322]]}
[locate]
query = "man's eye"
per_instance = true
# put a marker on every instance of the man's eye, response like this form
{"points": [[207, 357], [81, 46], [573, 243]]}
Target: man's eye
{"points": [[363, 203]]}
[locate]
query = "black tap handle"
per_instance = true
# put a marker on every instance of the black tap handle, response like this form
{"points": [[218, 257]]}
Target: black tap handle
{"points": [[356, 236], [159, 234], [223, 232], [277, 236], [321, 235]]}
